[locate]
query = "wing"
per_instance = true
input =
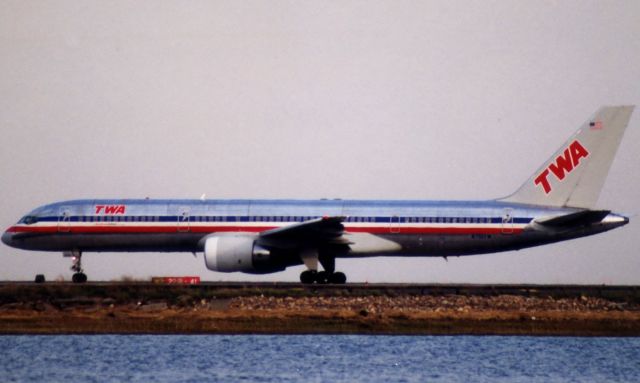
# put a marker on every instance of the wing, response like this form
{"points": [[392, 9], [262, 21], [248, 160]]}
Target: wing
{"points": [[324, 231]]}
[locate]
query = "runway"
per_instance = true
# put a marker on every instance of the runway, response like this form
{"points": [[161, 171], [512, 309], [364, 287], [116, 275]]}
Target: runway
{"points": [[614, 292]]}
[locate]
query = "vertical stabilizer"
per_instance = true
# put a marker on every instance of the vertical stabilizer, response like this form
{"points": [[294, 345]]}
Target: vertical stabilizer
{"points": [[574, 175]]}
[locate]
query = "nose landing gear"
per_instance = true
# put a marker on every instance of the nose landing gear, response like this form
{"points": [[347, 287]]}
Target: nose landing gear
{"points": [[78, 276]]}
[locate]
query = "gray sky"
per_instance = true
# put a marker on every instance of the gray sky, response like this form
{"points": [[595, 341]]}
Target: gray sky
{"points": [[349, 99]]}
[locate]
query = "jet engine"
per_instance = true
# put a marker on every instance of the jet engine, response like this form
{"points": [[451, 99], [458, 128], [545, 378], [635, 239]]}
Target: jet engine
{"points": [[239, 252]]}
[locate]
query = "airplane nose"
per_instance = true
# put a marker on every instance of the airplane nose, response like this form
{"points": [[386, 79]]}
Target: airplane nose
{"points": [[7, 238]]}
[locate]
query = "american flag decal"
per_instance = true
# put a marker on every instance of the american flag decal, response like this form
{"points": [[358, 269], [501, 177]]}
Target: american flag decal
{"points": [[595, 125]]}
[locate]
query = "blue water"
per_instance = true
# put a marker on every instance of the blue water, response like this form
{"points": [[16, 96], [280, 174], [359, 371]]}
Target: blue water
{"points": [[324, 358]]}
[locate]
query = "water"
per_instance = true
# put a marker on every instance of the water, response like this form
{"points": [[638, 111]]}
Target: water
{"points": [[318, 358]]}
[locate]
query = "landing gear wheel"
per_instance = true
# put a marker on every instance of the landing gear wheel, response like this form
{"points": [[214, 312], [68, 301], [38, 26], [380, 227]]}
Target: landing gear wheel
{"points": [[79, 278], [323, 277], [308, 277], [338, 278]]}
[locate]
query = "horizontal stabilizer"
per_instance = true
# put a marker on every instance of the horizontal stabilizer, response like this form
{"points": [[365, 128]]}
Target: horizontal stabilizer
{"points": [[581, 218]]}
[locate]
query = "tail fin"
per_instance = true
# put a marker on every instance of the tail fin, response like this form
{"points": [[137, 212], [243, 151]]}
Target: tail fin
{"points": [[574, 175]]}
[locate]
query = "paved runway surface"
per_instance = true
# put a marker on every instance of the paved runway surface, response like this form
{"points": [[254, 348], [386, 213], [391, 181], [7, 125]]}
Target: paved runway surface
{"points": [[618, 292]]}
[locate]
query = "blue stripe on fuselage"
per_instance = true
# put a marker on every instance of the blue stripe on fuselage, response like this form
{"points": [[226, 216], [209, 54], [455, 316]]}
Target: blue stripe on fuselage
{"points": [[271, 219]]}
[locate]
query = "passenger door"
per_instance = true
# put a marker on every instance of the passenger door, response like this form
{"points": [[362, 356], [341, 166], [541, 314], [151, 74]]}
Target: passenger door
{"points": [[64, 219], [507, 221], [394, 224], [184, 219]]}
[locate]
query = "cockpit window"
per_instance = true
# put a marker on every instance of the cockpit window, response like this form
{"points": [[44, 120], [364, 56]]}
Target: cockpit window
{"points": [[29, 220]]}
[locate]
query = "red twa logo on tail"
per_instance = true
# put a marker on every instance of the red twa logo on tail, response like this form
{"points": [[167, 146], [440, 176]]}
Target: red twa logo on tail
{"points": [[564, 165]]}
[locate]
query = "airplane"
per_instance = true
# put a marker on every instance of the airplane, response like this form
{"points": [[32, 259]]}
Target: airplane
{"points": [[264, 236]]}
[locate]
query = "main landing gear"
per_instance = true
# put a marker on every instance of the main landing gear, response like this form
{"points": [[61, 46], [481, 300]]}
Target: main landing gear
{"points": [[312, 275], [78, 276], [309, 277]]}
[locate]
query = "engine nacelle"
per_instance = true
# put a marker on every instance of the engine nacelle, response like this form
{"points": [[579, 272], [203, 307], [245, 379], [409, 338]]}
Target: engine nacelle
{"points": [[238, 252]]}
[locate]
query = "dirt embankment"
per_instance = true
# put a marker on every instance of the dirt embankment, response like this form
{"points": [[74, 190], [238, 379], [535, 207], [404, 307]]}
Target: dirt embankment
{"points": [[176, 309]]}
